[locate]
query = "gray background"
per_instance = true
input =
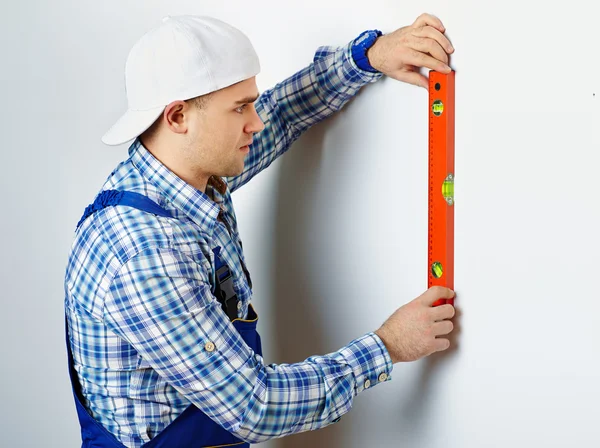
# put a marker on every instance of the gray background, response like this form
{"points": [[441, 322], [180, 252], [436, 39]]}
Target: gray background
{"points": [[335, 231]]}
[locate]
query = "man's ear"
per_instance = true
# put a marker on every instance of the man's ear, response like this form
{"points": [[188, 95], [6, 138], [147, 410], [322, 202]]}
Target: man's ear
{"points": [[176, 116]]}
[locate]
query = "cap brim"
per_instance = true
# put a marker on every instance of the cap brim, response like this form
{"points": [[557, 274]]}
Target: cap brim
{"points": [[131, 125]]}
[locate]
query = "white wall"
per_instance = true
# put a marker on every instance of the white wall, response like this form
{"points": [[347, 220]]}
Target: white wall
{"points": [[524, 369]]}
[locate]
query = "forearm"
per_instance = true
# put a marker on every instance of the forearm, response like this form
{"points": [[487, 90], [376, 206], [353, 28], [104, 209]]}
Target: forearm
{"points": [[322, 88], [294, 105], [287, 399]]}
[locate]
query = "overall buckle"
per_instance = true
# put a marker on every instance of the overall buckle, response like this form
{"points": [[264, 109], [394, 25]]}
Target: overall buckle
{"points": [[225, 293]]}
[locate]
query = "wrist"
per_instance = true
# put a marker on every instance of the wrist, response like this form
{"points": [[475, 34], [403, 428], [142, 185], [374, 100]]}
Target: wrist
{"points": [[382, 334], [373, 55]]}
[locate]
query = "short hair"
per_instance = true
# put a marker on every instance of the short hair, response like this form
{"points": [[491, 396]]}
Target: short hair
{"points": [[200, 101]]}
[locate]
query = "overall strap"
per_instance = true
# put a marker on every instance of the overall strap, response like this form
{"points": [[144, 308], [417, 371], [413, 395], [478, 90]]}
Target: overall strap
{"points": [[116, 197], [223, 288]]}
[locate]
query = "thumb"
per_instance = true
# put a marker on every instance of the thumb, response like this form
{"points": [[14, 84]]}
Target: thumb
{"points": [[435, 293]]}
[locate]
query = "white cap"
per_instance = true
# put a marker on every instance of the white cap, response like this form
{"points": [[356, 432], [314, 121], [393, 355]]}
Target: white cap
{"points": [[182, 58]]}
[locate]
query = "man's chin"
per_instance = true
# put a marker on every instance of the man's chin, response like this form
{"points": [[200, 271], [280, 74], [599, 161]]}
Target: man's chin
{"points": [[233, 171]]}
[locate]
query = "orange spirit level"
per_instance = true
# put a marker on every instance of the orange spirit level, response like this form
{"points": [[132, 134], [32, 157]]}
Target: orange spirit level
{"points": [[441, 182]]}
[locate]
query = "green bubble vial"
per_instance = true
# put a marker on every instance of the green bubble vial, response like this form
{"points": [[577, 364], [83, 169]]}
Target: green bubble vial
{"points": [[437, 108], [436, 269], [448, 189]]}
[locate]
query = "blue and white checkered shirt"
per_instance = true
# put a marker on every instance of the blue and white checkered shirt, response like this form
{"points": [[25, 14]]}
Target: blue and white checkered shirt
{"points": [[147, 335]]}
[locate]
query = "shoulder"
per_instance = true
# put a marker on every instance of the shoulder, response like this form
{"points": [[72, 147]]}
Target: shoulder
{"points": [[119, 238]]}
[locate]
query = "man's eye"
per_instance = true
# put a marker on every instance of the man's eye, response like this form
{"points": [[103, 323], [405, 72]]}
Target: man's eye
{"points": [[241, 109]]}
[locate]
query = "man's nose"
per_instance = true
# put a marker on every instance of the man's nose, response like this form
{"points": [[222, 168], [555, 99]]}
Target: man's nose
{"points": [[256, 125]]}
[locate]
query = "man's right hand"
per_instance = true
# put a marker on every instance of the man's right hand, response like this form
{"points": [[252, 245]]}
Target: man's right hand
{"points": [[412, 331]]}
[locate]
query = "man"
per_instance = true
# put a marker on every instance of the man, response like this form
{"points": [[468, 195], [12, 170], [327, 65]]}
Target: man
{"points": [[162, 339]]}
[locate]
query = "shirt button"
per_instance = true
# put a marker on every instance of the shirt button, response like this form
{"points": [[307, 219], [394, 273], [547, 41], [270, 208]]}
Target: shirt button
{"points": [[209, 347], [239, 305], [383, 377], [367, 384]]}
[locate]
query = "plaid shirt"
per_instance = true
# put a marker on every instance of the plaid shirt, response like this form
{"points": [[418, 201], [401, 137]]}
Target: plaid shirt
{"points": [[147, 335]]}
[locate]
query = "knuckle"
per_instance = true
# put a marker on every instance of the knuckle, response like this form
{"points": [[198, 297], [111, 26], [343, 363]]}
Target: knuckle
{"points": [[405, 46], [427, 344], [427, 315], [432, 331], [421, 41], [415, 54], [429, 334]]}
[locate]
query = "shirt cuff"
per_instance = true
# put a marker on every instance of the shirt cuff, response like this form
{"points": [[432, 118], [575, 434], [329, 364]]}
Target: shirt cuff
{"points": [[369, 360], [355, 70]]}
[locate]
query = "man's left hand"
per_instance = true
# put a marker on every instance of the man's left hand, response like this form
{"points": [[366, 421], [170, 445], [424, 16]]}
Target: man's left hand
{"points": [[402, 53]]}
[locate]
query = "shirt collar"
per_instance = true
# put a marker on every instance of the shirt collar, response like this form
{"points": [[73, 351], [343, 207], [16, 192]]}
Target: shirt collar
{"points": [[195, 204]]}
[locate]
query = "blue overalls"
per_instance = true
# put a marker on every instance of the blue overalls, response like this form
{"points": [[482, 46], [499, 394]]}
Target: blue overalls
{"points": [[193, 428]]}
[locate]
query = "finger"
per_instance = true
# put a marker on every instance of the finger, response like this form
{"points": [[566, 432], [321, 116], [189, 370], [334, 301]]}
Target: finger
{"points": [[432, 33], [441, 344], [428, 19], [426, 45], [443, 327], [443, 312], [419, 59], [411, 78], [434, 293]]}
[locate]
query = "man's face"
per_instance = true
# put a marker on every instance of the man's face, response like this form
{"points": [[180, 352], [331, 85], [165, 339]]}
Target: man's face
{"points": [[220, 132]]}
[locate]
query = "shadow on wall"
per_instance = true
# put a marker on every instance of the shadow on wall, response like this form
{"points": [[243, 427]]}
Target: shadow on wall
{"points": [[413, 411], [296, 298]]}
